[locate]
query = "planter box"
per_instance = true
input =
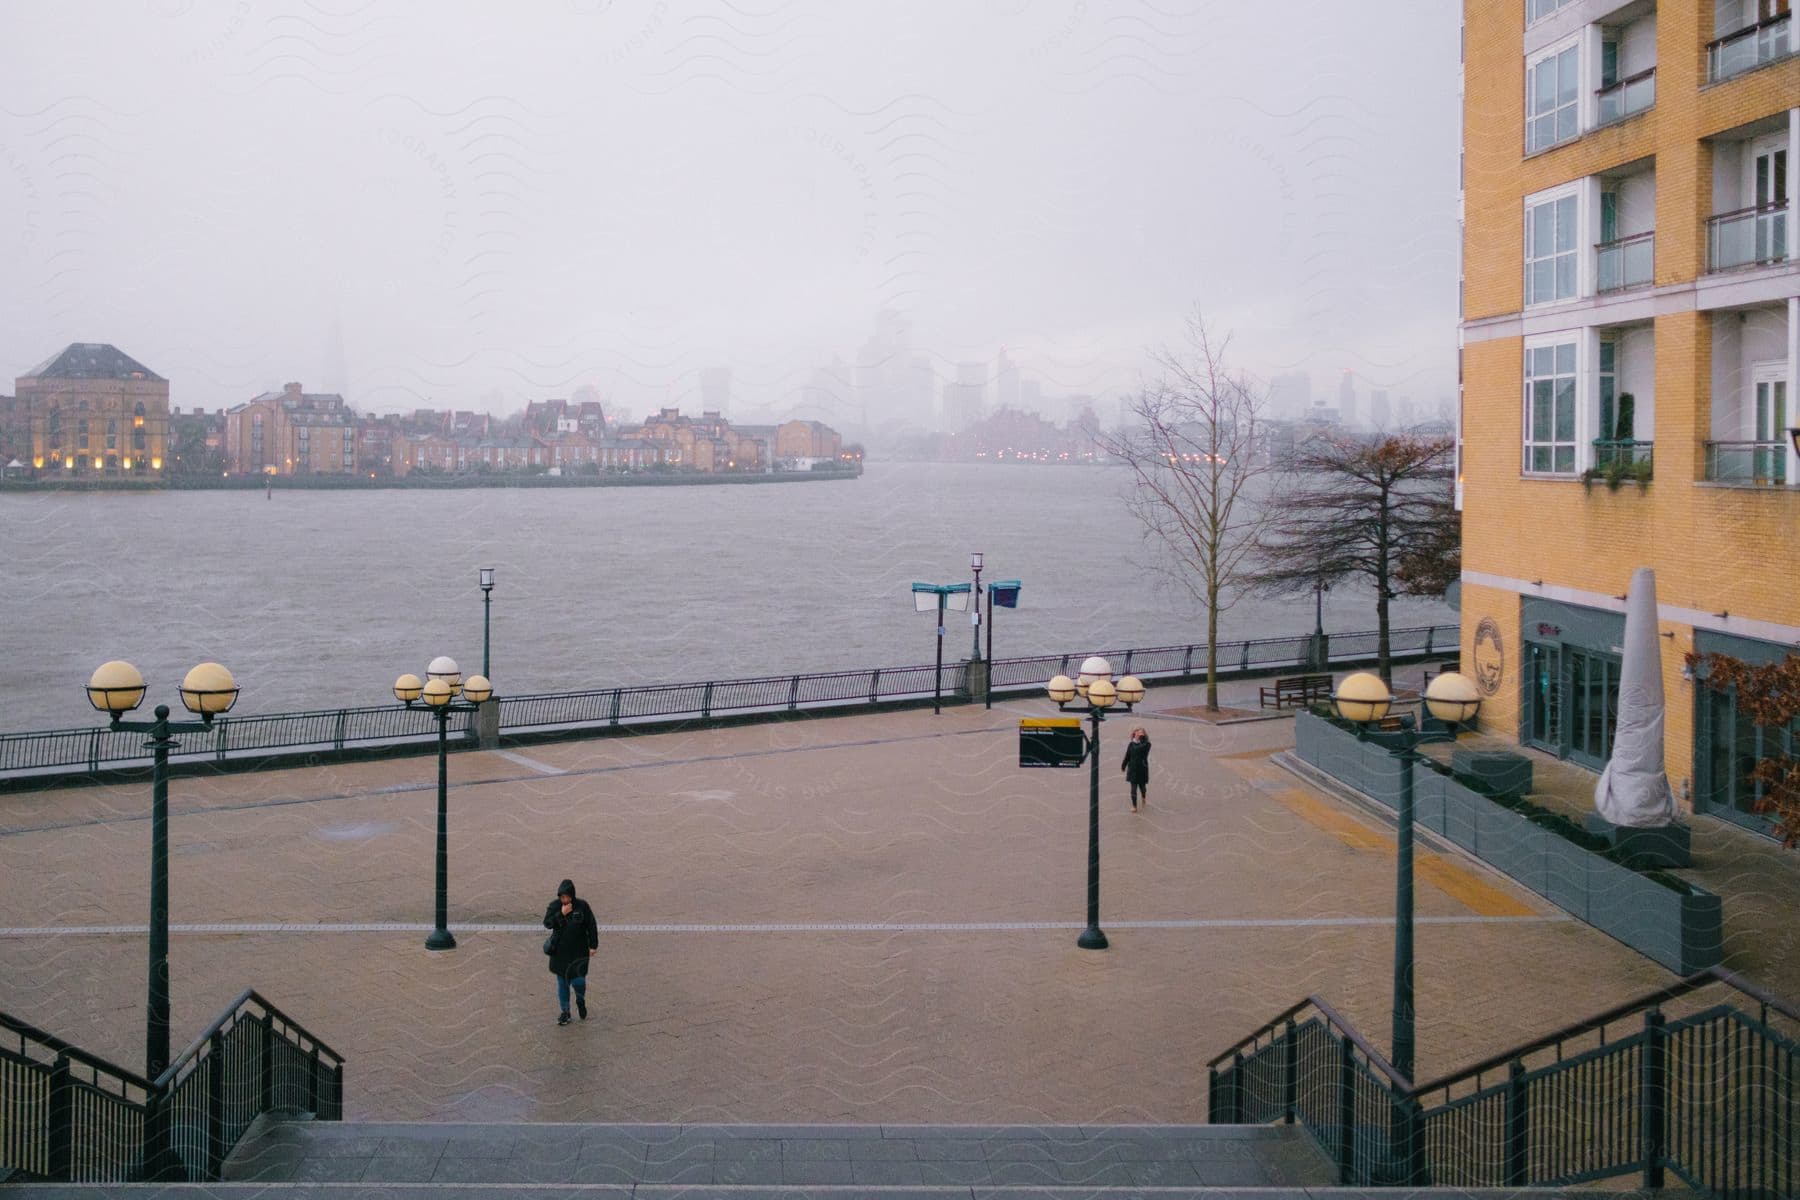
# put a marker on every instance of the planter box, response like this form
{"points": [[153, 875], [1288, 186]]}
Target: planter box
{"points": [[1566, 874], [1679, 931], [1662, 846], [1462, 814], [1498, 770], [1509, 842]]}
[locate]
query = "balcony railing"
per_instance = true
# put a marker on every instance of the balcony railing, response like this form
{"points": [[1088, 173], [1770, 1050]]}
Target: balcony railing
{"points": [[1631, 95], [1613, 454], [1626, 262], [1763, 464], [1747, 237], [1750, 47]]}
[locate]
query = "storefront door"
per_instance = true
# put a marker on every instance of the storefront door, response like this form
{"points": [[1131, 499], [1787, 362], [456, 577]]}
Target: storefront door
{"points": [[1571, 702]]}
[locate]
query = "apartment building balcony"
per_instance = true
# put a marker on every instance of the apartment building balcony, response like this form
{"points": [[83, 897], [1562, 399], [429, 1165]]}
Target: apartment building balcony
{"points": [[1747, 237], [1624, 263], [1750, 46], [1749, 443], [1626, 98]]}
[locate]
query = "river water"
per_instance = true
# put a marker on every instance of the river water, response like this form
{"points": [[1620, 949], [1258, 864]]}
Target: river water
{"points": [[318, 599]]}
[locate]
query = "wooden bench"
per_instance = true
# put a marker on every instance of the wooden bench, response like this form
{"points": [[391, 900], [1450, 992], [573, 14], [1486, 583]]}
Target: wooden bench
{"points": [[1296, 691]]}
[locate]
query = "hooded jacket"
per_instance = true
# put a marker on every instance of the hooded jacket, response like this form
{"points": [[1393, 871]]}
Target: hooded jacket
{"points": [[576, 933]]}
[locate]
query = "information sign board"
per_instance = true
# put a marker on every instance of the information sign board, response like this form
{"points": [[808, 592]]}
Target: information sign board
{"points": [[1051, 742]]}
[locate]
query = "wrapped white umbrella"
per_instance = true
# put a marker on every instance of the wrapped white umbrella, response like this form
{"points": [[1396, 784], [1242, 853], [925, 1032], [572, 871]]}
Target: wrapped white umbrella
{"points": [[1634, 790]]}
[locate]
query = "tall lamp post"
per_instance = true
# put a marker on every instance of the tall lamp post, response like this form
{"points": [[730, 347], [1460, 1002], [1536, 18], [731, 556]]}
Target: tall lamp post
{"points": [[936, 597], [1098, 693], [115, 689], [1364, 700], [975, 620], [443, 682], [487, 608], [1002, 593]]}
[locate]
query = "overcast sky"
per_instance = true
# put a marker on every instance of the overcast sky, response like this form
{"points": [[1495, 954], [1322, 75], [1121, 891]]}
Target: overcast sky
{"points": [[426, 203]]}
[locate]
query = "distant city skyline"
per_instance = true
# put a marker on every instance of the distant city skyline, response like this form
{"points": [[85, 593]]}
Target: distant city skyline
{"points": [[414, 204]]}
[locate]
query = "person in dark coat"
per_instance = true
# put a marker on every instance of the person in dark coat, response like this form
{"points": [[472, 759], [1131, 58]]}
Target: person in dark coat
{"points": [[1136, 765], [575, 938]]}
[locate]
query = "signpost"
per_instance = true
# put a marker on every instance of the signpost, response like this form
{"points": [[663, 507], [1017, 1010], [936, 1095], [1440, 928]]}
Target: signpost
{"points": [[1051, 742]]}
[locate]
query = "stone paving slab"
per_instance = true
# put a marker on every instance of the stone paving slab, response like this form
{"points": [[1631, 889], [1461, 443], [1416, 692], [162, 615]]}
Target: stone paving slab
{"points": [[842, 920]]}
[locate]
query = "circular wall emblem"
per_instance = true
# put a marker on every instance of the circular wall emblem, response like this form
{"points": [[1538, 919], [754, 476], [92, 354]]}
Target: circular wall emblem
{"points": [[1490, 657]]}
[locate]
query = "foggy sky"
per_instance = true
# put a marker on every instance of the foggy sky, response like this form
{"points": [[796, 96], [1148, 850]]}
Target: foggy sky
{"points": [[425, 203]]}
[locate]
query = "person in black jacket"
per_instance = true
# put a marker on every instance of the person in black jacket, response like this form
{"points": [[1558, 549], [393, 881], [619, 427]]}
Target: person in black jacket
{"points": [[1136, 765], [574, 939]]}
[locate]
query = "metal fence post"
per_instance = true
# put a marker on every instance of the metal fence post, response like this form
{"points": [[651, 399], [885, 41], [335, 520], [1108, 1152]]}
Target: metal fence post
{"points": [[794, 694], [1215, 1114], [266, 1091], [614, 718], [1346, 1114], [1430, 634], [874, 684], [337, 1094], [1290, 1086], [1518, 1126], [1244, 659], [223, 726], [338, 730], [312, 1081], [1655, 1097], [1187, 661], [62, 1122], [94, 751], [1237, 1089], [215, 1105], [706, 702]]}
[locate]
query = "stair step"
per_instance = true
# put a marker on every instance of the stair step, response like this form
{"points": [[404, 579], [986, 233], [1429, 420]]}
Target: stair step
{"points": [[939, 1159]]}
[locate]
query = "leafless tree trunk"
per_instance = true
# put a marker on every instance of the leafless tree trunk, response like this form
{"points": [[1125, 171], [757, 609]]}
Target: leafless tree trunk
{"points": [[1191, 441]]}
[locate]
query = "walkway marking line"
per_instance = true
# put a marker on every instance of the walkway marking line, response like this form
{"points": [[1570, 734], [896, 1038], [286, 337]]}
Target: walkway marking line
{"points": [[29, 931], [541, 768]]}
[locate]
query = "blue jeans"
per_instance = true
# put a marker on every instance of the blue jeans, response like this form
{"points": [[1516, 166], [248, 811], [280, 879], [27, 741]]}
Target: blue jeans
{"points": [[562, 990]]}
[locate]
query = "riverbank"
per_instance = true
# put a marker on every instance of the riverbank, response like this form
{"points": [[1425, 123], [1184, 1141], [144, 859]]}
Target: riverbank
{"points": [[356, 483]]}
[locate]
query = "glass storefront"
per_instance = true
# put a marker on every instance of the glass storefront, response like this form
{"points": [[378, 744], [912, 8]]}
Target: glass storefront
{"points": [[1728, 744], [1571, 679]]}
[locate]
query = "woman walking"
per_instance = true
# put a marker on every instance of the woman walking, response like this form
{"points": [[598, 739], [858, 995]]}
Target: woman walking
{"points": [[1136, 765], [573, 941]]}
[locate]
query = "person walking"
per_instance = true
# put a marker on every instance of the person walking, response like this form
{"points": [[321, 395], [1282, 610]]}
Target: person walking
{"points": [[1136, 765], [574, 940]]}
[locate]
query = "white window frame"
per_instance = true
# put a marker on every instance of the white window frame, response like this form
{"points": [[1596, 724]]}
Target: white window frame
{"points": [[1583, 345], [1578, 102], [1543, 14], [1580, 252]]}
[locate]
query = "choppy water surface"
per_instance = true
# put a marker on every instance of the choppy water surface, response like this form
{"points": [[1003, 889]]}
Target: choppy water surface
{"points": [[319, 599]]}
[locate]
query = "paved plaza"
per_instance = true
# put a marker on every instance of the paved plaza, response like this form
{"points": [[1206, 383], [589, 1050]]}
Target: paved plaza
{"points": [[867, 919]]}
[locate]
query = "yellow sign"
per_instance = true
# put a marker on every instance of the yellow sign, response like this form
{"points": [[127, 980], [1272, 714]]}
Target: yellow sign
{"points": [[1049, 722]]}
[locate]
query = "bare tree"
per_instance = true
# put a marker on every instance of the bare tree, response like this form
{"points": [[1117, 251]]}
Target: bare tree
{"points": [[1190, 440], [1382, 511]]}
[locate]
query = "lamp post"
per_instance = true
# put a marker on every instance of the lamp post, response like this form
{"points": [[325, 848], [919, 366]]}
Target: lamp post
{"points": [[443, 681], [1363, 699], [929, 597], [975, 620], [1002, 593], [1098, 693], [487, 608], [115, 689]]}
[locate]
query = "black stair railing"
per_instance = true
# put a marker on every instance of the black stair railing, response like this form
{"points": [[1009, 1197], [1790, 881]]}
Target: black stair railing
{"points": [[72, 1116], [1707, 1095]]}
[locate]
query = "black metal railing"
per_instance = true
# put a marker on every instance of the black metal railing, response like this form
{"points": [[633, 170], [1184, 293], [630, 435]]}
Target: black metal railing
{"points": [[391, 726], [74, 1117], [1747, 237], [1761, 464], [1641, 1088], [1627, 262], [1750, 47], [1630, 95], [1620, 453]]}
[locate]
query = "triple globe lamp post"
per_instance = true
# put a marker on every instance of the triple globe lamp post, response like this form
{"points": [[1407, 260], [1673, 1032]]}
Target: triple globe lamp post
{"points": [[439, 690], [207, 691], [1098, 694], [1451, 701]]}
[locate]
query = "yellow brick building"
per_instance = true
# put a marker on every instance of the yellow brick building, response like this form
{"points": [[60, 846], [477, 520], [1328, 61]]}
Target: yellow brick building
{"points": [[1630, 339]]}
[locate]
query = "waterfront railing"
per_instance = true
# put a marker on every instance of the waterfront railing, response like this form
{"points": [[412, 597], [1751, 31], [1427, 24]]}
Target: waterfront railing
{"points": [[391, 727]]}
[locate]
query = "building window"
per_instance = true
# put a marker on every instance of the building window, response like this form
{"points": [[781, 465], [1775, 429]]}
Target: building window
{"points": [[1537, 10], [1552, 98], [1729, 745], [1550, 409], [1552, 261]]}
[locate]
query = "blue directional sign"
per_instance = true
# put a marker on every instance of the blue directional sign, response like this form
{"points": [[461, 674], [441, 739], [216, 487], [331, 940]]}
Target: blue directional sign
{"points": [[1004, 592]]}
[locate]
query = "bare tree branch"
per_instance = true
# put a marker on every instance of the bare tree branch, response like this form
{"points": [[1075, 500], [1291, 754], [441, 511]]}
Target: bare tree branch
{"points": [[1191, 441]]}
